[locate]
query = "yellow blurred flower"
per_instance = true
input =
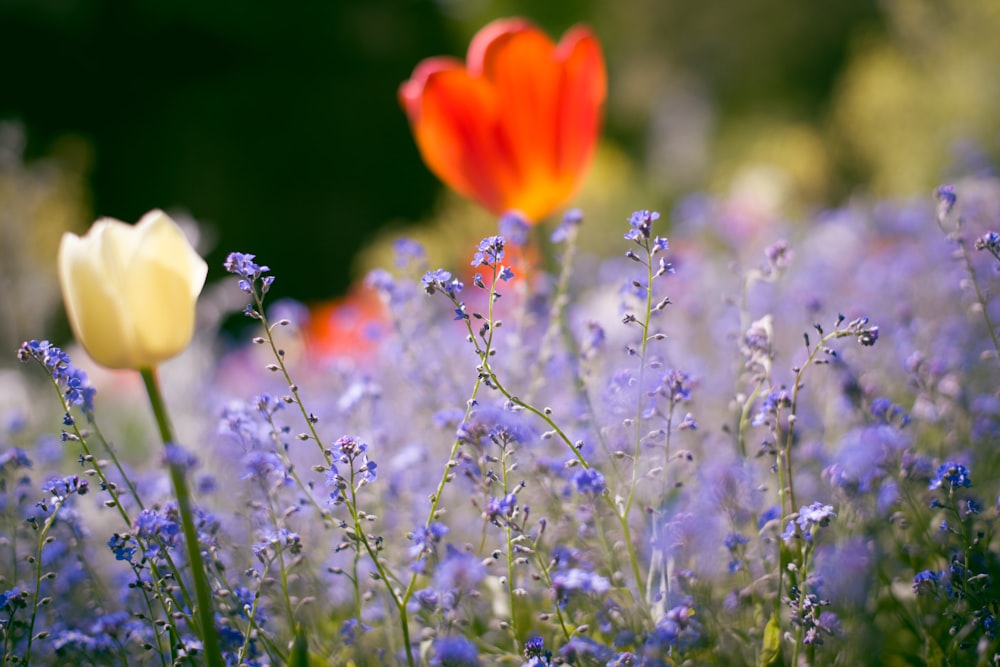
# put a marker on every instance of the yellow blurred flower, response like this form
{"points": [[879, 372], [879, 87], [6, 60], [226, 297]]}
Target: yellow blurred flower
{"points": [[130, 290]]}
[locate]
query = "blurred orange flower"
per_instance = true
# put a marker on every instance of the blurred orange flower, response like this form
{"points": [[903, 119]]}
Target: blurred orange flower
{"points": [[515, 127], [347, 327]]}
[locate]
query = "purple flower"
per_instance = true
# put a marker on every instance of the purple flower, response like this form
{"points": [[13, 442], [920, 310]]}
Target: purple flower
{"points": [[67, 486], [988, 622], [501, 507], [946, 199], [952, 476], [14, 458], [585, 651], [458, 571], [263, 466], [641, 223], [280, 539], [734, 540], [869, 336], [570, 223], [927, 582], [69, 639], [865, 456], [989, 241], [589, 481], [426, 538], [408, 252], [770, 514], [534, 647], [677, 386], [814, 516], [593, 339], [789, 532], [382, 282], [351, 630], [577, 580], [427, 598], [887, 412], [758, 337], [772, 403], [158, 528], [489, 252], [354, 453], [454, 651], [242, 265], [513, 228], [677, 629], [441, 280], [432, 278], [123, 546], [175, 455], [12, 599], [72, 382], [779, 254]]}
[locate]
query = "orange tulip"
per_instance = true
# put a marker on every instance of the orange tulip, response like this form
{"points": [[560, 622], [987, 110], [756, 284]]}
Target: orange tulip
{"points": [[347, 327], [515, 127]]}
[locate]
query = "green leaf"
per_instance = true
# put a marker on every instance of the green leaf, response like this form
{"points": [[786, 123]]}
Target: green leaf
{"points": [[935, 656], [772, 642], [300, 651]]}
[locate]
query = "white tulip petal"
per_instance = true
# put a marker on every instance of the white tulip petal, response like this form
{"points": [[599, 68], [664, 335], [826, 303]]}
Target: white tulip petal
{"points": [[161, 239], [95, 310], [131, 290]]}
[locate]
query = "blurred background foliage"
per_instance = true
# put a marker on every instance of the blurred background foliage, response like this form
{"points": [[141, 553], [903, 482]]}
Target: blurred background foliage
{"points": [[276, 125]]}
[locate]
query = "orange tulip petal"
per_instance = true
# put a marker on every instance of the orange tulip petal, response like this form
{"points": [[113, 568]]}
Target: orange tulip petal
{"points": [[457, 137], [583, 89], [348, 327], [491, 37], [525, 75], [412, 90], [516, 127]]}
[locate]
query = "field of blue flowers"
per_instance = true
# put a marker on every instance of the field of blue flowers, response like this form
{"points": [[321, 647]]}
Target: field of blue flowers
{"points": [[742, 446]]}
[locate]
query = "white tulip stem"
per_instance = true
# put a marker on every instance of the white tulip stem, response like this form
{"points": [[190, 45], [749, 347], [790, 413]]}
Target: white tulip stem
{"points": [[203, 594]]}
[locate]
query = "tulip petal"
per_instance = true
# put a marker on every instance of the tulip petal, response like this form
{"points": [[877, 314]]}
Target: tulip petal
{"points": [[521, 68], [582, 91], [163, 241], [130, 291], [455, 131], [517, 126], [95, 311], [163, 265], [347, 327]]}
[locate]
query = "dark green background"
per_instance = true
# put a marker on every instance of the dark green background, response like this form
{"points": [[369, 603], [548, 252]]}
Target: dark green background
{"points": [[277, 124]]}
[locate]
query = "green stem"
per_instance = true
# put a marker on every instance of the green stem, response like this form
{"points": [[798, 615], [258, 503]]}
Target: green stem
{"points": [[511, 575], [37, 601], [203, 594], [115, 496], [310, 419], [980, 297]]}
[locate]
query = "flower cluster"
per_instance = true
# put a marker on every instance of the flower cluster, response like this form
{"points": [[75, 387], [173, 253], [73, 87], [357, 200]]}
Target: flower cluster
{"points": [[242, 265], [951, 476], [71, 381], [551, 490], [523, 480]]}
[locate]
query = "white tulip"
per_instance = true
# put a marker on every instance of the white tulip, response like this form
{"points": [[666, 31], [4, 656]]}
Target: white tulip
{"points": [[130, 290]]}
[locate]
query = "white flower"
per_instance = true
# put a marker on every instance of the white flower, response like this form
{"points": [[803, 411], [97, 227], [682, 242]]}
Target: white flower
{"points": [[130, 290]]}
